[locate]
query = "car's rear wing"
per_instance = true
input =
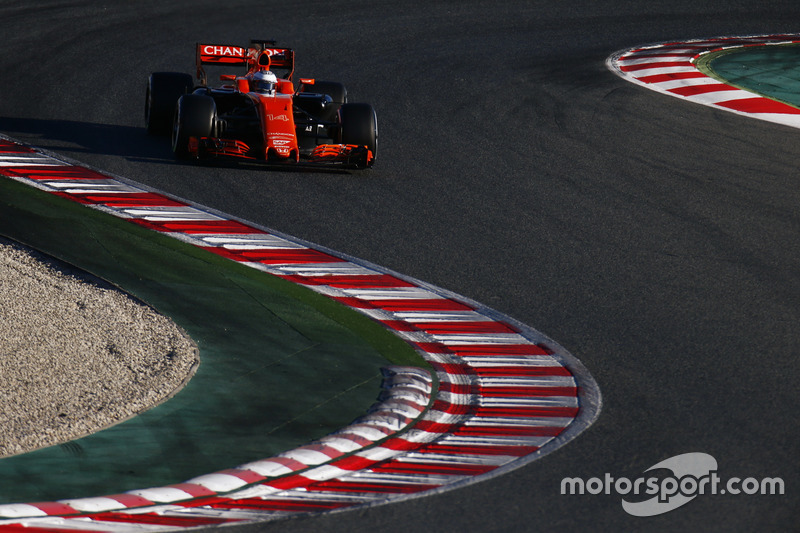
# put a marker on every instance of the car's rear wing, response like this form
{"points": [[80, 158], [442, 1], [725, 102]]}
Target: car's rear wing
{"points": [[259, 55]]}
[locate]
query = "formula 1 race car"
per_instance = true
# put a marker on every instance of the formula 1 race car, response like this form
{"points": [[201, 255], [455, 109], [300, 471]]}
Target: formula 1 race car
{"points": [[260, 115]]}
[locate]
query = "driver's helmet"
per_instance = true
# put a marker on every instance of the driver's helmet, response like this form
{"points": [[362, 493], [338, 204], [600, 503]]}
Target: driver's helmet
{"points": [[264, 81]]}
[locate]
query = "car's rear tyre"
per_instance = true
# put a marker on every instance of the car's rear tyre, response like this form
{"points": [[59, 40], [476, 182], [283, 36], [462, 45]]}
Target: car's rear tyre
{"points": [[335, 90], [163, 91], [195, 116], [358, 124]]}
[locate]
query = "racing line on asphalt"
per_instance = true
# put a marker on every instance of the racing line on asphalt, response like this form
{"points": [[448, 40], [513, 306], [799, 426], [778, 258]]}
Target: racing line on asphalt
{"points": [[507, 395]]}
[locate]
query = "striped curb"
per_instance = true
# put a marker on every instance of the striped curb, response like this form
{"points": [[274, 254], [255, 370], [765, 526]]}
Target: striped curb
{"points": [[670, 68], [507, 394]]}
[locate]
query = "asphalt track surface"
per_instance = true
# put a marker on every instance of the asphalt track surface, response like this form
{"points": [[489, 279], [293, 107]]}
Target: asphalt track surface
{"points": [[656, 240]]}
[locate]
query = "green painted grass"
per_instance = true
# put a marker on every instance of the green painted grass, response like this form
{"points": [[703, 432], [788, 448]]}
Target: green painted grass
{"points": [[770, 71], [280, 364]]}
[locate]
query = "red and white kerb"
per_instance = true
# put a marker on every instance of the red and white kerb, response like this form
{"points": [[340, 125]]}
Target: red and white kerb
{"points": [[506, 394], [670, 68]]}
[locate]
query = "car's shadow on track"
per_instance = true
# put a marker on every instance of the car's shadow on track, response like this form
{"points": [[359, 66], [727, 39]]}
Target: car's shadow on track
{"points": [[74, 138]]}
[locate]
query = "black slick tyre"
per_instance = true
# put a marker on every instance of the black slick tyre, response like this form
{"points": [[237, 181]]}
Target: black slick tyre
{"points": [[335, 90], [359, 125], [163, 91], [195, 116]]}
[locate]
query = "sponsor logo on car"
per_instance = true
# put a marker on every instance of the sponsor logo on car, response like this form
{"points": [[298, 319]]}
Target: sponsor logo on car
{"points": [[228, 51]]}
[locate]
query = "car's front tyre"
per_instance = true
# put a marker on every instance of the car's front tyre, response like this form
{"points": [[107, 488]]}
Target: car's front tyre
{"points": [[358, 124], [195, 116]]}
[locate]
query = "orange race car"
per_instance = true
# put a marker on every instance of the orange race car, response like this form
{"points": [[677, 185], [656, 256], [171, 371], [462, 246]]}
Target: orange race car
{"points": [[260, 115]]}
